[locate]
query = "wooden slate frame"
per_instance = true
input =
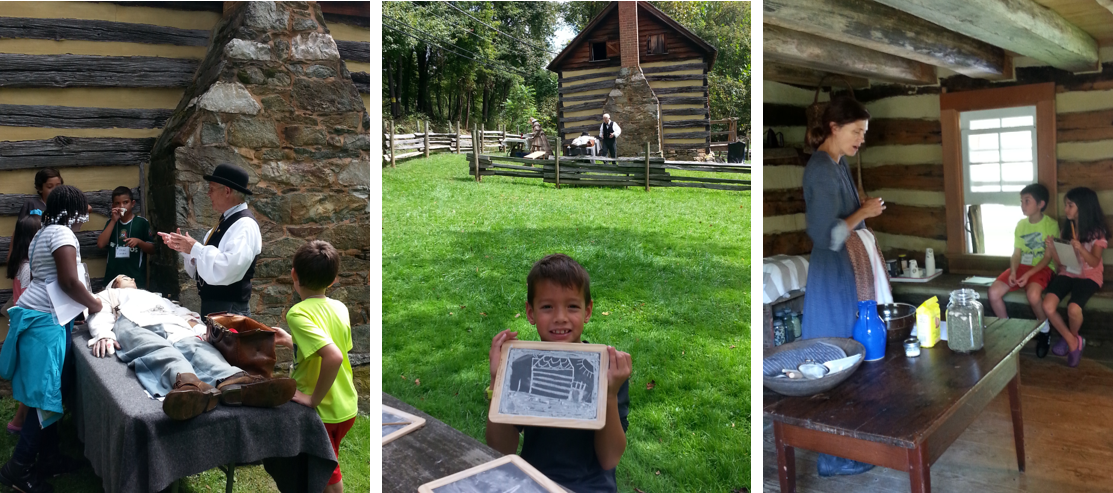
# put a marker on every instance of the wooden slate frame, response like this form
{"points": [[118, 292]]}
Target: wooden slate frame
{"points": [[1042, 96], [18, 70], [71, 152], [415, 423], [362, 81], [17, 115], [356, 51], [530, 471], [95, 30], [601, 384]]}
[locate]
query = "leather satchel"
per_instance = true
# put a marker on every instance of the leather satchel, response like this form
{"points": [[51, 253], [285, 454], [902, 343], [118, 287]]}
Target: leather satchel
{"points": [[243, 342]]}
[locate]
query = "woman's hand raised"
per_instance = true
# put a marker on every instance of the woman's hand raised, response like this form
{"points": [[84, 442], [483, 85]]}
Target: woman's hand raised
{"points": [[872, 207]]}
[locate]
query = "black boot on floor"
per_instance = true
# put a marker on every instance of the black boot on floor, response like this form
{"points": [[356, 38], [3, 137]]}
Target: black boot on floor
{"points": [[1043, 343], [22, 478], [830, 465]]}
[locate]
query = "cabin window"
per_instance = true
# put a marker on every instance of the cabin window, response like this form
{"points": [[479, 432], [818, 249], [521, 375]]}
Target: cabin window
{"points": [[599, 51], [998, 160], [655, 45]]}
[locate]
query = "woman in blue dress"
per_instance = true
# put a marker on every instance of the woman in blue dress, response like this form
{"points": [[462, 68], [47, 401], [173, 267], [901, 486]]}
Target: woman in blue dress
{"points": [[833, 211]]}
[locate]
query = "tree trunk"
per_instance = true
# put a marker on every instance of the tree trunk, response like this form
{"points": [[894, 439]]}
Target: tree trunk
{"points": [[423, 103], [467, 109], [394, 113], [403, 88], [486, 102]]}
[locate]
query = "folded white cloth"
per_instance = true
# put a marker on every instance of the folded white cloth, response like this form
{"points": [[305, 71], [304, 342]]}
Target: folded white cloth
{"points": [[880, 280], [782, 274]]}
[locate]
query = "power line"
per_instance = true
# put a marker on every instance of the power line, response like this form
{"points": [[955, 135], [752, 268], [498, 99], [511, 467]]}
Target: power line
{"points": [[429, 36], [450, 4], [453, 51]]}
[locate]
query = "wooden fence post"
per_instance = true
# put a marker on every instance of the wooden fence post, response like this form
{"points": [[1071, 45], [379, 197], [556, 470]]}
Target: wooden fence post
{"points": [[475, 146], [392, 143], [647, 166], [483, 136], [426, 138], [458, 134], [558, 170]]}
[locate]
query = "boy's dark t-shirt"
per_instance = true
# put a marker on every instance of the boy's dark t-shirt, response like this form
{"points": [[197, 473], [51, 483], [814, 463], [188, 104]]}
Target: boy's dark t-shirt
{"points": [[134, 265], [32, 204], [567, 456]]}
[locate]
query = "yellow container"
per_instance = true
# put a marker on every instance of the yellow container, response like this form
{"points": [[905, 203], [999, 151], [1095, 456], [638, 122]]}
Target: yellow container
{"points": [[927, 322]]}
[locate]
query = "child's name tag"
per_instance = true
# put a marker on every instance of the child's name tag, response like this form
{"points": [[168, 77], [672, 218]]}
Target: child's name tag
{"points": [[1027, 258], [123, 251]]}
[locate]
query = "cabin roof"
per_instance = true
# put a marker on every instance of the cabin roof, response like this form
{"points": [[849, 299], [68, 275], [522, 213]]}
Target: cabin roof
{"points": [[580, 38]]}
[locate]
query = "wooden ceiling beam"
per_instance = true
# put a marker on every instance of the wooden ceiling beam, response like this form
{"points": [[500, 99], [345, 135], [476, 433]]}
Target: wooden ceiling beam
{"points": [[1020, 26], [801, 76], [880, 28], [823, 54]]}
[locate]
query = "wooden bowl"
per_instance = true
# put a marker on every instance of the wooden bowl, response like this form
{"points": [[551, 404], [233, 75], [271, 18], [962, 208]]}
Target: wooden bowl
{"points": [[805, 387], [899, 319]]}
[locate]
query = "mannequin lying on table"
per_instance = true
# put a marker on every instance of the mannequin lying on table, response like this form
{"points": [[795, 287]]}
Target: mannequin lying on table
{"points": [[166, 346]]}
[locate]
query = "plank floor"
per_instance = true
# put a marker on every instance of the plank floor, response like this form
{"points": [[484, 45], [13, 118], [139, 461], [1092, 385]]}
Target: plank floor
{"points": [[1068, 426]]}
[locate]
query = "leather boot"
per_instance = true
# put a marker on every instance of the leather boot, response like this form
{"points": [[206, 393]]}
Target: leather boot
{"points": [[21, 477], [190, 398], [243, 389]]}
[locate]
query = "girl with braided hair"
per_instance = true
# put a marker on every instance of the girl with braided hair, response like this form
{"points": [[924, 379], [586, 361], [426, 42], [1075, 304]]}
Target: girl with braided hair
{"points": [[34, 353]]}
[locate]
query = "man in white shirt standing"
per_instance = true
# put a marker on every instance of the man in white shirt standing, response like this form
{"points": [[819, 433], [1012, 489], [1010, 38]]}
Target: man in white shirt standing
{"points": [[224, 263], [608, 133]]}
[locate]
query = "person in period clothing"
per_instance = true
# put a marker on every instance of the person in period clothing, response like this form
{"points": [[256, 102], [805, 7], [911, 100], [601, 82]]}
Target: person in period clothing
{"points": [[538, 141], [225, 262], [608, 135], [833, 211]]}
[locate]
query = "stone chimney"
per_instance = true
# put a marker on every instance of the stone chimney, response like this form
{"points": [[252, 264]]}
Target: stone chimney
{"points": [[632, 103], [272, 96]]}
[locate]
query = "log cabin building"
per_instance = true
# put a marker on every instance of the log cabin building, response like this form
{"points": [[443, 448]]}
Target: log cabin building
{"points": [[87, 87], [644, 69], [926, 71]]}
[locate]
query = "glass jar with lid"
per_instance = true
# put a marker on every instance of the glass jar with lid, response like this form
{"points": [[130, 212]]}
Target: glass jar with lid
{"points": [[965, 329]]}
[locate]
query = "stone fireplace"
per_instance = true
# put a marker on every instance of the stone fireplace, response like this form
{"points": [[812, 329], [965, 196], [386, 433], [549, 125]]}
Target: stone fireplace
{"points": [[632, 103], [272, 96]]}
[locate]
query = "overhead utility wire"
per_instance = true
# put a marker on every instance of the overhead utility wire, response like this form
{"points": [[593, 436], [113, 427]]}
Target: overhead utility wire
{"points": [[450, 4], [453, 52], [478, 58]]}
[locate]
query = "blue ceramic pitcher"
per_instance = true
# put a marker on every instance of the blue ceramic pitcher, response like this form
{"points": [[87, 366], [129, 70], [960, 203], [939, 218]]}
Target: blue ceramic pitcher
{"points": [[870, 330]]}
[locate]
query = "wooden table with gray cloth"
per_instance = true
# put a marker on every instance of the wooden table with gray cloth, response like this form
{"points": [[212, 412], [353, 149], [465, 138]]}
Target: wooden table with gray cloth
{"points": [[434, 451], [134, 447]]}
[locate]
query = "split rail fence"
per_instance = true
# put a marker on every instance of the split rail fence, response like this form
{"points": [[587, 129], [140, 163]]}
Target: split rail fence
{"points": [[621, 172], [404, 146]]}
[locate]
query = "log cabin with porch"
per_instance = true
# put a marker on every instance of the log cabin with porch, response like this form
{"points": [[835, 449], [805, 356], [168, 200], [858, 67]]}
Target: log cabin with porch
{"points": [[925, 70], [644, 69]]}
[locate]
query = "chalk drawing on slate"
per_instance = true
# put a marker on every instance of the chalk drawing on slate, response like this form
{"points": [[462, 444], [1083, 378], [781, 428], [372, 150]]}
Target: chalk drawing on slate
{"points": [[556, 384], [392, 430], [509, 474]]}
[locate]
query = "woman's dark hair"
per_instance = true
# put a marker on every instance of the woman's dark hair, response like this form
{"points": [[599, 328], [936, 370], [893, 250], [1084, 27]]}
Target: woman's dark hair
{"points": [[64, 205], [842, 110], [562, 270], [1091, 220], [44, 175], [25, 229]]}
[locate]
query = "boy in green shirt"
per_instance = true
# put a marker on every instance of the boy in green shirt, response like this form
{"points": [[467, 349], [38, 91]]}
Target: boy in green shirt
{"points": [[321, 336], [1029, 269], [128, 239]]}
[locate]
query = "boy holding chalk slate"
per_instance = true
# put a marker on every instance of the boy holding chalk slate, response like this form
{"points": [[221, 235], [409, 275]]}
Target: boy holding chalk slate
{"points": [[558, 303]]}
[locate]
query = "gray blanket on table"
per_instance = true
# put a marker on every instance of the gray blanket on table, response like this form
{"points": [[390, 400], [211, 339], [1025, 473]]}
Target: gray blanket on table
{"points": [[134, 447]]}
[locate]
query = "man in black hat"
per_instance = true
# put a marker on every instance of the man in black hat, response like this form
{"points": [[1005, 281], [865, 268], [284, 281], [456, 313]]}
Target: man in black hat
{"points": [[225, 262]]}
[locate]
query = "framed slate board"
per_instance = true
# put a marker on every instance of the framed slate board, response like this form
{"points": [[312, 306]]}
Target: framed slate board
{"points": [[397, 423], [561, 385], [509, 473]]}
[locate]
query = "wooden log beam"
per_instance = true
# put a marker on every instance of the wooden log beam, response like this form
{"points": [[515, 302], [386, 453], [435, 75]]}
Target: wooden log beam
{"points": [[101, 200], [686, 146], [681, 90], [790, 243], [673, 68], [67, 152], [356, 51], [16, 115], [910, 220], [600, 75], [1023, 27], [673, 78], [923, 177], [1087, 126], [591, 86], [93, 30], [1096, 175], [782, 202], [683, 123], [596, 105], [819, 53], [684, 112], [588, 118], [362, 80], [880, 28], [903, 131], [682, 100], [589, 97], [686, 135], [94, 71], [801, 76]]}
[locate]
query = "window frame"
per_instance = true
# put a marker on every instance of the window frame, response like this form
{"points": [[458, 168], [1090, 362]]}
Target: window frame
{"points": [[591, 50], [664, 45], [951, 105]]}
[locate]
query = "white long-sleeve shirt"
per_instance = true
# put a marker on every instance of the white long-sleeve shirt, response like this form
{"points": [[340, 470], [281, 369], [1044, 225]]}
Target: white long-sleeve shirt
{"points": [[228, 261], [617, 130], [145, 309]]}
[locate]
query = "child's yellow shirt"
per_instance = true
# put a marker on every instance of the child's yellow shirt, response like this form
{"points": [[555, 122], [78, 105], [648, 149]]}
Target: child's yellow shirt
{"points": [[314, 324]]}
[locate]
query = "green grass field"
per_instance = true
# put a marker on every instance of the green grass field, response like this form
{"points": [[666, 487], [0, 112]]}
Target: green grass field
{"points": [[354, 461], [669, 275]]}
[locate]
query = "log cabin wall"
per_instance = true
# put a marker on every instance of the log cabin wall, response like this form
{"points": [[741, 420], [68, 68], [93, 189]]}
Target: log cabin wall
{"points": [[86, 87], [783, 169]]}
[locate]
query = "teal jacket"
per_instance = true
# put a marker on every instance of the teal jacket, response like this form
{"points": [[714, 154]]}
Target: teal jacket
{"points": [[32, 358]]}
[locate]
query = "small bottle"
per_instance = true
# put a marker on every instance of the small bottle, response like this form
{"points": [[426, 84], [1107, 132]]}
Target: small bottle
{"points": [[929, 263], [903, 264], [796, 324], [778, 332]]}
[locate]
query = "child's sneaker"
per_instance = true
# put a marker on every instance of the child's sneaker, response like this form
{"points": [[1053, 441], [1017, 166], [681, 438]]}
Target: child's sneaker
{"points": [[1075, 357], [1061, 348], [1043, 343]]}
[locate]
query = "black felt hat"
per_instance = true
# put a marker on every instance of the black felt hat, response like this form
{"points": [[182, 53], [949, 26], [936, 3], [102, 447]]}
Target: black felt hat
{"points": [[230, 176]]}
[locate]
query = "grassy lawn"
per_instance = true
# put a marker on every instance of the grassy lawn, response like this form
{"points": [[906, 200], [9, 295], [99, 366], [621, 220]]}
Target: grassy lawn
{"points": [[354, 461], [670, 279]]}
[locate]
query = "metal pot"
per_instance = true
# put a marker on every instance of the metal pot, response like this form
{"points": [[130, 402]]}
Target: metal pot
{"points": [[899, 318]]}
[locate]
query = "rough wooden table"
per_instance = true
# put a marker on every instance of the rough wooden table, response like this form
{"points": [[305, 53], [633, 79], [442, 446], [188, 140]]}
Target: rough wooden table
{"points": [[902, 413]]}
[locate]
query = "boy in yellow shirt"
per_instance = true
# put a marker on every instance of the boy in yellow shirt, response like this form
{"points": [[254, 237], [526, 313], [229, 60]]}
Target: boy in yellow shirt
{"points": [[321, 336]]}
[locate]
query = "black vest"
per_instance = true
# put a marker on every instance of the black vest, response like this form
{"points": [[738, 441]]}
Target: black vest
{"points": [[239, 291], [608, 128]]}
